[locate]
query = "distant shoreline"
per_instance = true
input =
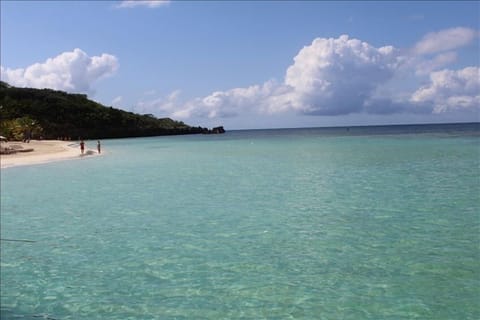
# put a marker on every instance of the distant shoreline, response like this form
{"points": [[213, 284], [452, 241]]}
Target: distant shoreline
{"points": [[365, 126], [56, 150], [44, 151]]}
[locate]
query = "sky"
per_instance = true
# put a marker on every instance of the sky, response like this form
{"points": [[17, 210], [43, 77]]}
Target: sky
{"points": [[253, 64]]}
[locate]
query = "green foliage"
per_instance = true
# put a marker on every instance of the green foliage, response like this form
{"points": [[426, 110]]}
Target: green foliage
{"points": [[60, 114], [19, 128]]}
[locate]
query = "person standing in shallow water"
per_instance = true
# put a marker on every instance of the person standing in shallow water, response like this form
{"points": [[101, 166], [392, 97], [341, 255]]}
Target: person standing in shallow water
{"points": [[99, 148], [82, 146]]}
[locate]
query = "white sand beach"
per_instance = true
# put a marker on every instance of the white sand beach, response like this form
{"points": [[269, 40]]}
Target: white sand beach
{"points": [[43, 151]]}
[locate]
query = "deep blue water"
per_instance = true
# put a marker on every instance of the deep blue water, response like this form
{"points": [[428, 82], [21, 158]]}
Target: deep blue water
{"points": [[316, 223]]}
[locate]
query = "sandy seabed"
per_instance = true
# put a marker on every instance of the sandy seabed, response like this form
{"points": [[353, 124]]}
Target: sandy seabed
{"points": [[43, 151]]}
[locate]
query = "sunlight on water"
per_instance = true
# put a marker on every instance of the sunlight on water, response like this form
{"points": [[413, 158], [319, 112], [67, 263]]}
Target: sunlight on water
{"points": [[282, 224]]}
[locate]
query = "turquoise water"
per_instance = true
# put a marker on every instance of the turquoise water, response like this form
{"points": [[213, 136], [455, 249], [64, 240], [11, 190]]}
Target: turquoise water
{"points": [[275, 224]]}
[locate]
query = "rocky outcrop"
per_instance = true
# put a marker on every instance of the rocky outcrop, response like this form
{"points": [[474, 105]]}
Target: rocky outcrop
{"points": [[216, 130]]}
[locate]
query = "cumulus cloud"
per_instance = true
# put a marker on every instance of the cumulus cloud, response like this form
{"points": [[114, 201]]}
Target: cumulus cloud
{"points": [[445, 40], [450, 90], [426, 66], [143, 3], [329, 77], [340, 76], [337, 76], [163, 106], [232, 102], [72, 71]]}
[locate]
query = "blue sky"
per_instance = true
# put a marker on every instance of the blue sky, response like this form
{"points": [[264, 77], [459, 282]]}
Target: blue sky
{"points": [[253, 64]]}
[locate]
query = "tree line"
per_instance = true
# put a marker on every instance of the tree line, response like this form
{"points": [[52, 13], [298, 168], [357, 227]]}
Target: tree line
{"points": [[52, 114]]}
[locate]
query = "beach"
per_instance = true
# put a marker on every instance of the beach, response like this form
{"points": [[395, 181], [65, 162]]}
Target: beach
{"points": [[43, 151]]}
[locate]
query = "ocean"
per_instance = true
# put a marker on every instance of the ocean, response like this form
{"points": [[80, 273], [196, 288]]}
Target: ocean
{"points": [[316, 223]]}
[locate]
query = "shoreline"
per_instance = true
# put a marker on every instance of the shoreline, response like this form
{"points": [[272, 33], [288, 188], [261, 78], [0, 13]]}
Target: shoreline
{"points": [[44, 151]]}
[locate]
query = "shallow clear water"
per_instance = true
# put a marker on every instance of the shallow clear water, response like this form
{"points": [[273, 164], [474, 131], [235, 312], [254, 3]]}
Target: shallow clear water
{"points": [[280, 224]]}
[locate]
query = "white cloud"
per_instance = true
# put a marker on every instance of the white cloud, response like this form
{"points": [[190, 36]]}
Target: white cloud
{"points": [[72, 71], [328, 77], [117, 101], [232, 102], [142, 3], [219, 104], [336, 76], [450, 90], [340, 76], [163, 106], [445, 40], [425, 67]]}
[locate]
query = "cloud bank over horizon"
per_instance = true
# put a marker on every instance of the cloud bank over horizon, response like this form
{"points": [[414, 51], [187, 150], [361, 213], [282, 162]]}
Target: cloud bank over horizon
{"points": [[72, 71], [328, 77], [341, 76]]}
